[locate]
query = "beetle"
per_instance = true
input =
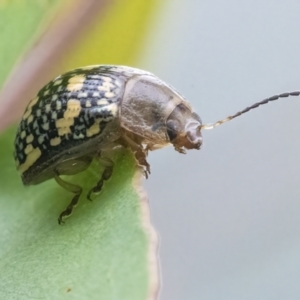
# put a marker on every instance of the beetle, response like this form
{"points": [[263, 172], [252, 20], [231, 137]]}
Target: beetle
{"points": [[80, 115], [85, 113]]}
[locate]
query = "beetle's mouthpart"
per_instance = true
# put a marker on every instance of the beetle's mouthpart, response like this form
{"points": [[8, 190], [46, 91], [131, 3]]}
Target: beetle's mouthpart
{"points": [[188, 141], [265, 101], [195, 144], [194, 138]]}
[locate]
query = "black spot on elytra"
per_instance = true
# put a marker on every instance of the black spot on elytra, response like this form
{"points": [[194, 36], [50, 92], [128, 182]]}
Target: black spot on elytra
{"points": [[52, 125], [35, 143], [60, 114], [53, 133]]}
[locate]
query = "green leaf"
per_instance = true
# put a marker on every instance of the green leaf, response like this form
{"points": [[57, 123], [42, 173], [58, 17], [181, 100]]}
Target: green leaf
{"points": [[100, 253]]}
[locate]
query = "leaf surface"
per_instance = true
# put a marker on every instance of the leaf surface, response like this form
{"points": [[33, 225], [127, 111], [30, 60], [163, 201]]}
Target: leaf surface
{"points": [[107, 248], [101, 252]]}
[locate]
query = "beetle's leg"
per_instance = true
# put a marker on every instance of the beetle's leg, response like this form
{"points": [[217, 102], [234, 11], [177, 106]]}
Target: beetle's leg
{"points": [[140, 157], [108, 164], [140, 154], [73, 188], [180, 149]]}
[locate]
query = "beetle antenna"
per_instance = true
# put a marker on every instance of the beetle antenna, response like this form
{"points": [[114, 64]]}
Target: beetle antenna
{"points": [[265, 101]]}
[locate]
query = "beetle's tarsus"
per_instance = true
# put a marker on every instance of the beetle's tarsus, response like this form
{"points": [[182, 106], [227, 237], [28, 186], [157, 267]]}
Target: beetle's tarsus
{"points": [[68, 211], [60, 220], [140, 157], [105, 176], [181, 150], [77, 190]]}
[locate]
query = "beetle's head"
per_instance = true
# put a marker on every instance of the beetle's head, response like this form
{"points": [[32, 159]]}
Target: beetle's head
{"points": [[184, 128]]}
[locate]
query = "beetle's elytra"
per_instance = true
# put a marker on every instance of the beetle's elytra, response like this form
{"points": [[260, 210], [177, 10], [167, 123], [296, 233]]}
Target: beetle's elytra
{"points": [[80, 115]]}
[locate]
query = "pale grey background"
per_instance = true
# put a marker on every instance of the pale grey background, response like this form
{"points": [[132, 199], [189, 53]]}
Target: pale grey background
{"points": [[228, 215]]}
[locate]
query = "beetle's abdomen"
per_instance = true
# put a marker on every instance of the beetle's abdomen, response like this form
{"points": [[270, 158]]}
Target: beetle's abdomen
{"points": [[67, 112]]}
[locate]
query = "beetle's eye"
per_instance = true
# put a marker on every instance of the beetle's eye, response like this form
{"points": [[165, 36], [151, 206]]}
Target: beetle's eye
{"points": [[172, 129]]}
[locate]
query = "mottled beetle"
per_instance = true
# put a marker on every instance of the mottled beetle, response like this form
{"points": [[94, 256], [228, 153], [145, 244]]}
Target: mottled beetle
{"points": [[80, 115]]}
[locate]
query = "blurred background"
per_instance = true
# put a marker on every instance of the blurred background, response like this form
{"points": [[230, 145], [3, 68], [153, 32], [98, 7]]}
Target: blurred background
{"points": [[228, 215]]}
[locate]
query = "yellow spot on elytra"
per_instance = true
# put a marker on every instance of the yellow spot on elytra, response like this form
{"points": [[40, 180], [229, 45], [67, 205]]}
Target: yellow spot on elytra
{"points": [[61, 123], [28, 149], [33, 102], [113, 108], [30, 119], [46, 93], [28, 109], [106, 78], [82, 95], [108, 84], [103, 88], [64, 130], [27, 114], [41, 139], [73, 109], [55, 141], [29, 139], [54, 115], [94, 129], [30, 159], [74, 87], [75, 83], [47, 107], [54, 97], [102, 101], [46, 126], [23, 134], [109, 94], [57, 82], [58, 105]]}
